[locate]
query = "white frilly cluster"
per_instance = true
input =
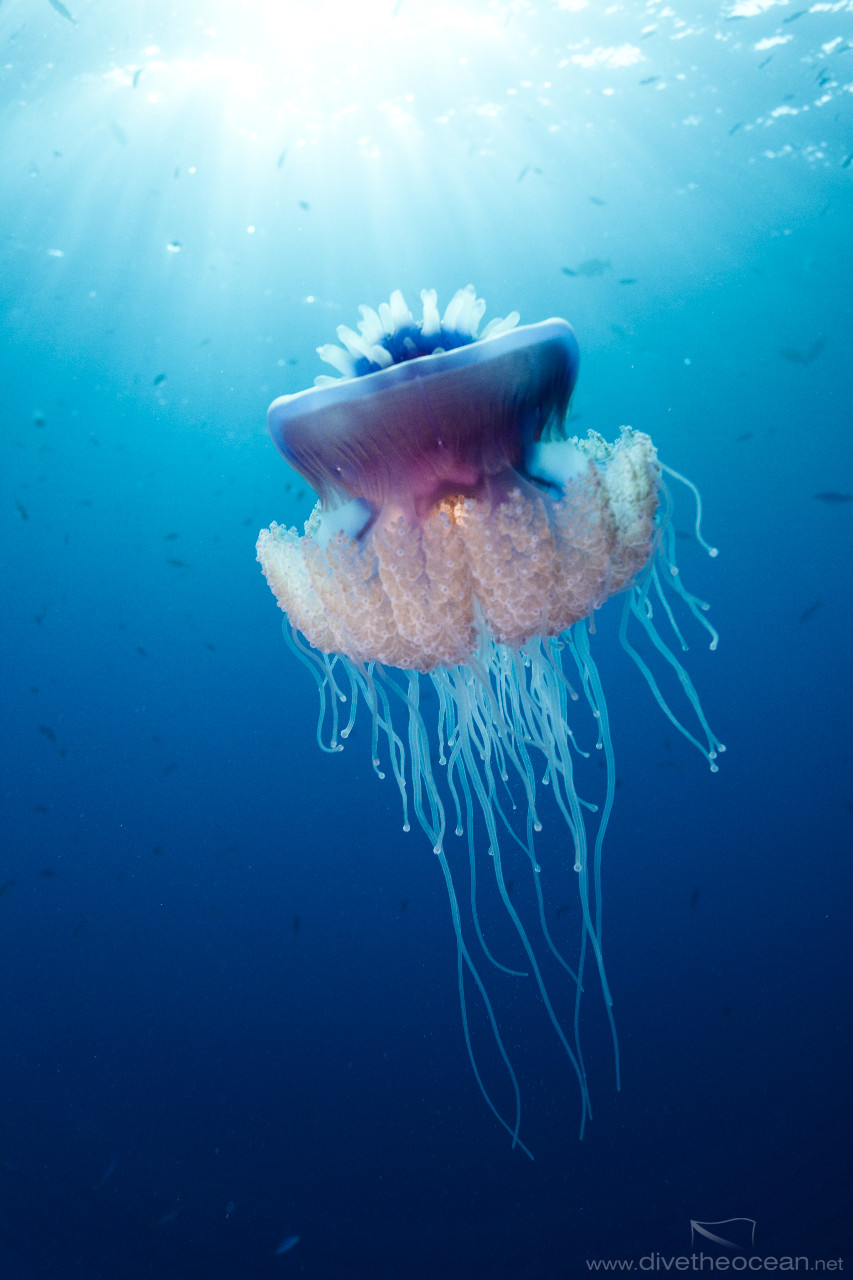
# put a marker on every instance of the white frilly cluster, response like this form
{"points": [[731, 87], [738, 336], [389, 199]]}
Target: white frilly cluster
{"points": [[369, 347], [418, 595]]}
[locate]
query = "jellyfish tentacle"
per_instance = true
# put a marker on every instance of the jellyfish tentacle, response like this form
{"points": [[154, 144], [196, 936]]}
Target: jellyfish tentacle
{"points": [[511, 676], [472, 861], [530, 853], [583, 656], [381, 724], [488, 818], [421, 773], [423, 781], [712, 551], [632, 608], [559, 754], [665, 605], [667, 559], [468, 826], [318, 669], [569, 804], [464, 956]]}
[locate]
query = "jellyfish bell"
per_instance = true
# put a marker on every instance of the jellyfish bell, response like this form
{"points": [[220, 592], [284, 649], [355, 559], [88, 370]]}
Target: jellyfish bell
{"points": [[438, 424], [462, 536]]}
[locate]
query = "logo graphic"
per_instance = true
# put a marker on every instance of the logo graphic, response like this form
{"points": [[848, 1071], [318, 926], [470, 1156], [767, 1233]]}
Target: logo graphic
{"points": [[732, 1233]]}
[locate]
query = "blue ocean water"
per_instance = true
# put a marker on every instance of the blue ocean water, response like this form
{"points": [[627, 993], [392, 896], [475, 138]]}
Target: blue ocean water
{"points": [[228, 1009]]}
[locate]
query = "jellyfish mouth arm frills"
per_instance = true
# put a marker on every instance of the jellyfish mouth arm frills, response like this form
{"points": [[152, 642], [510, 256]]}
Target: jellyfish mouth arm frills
{"points": [[460, 536], [521, 560]]}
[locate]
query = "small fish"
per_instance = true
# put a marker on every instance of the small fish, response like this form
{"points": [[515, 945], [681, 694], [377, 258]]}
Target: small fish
{"points": [[143, 653], [137, 73], [523, 174], [763, 64], [48, 732], [22, 510], [303, 204], [832, 497], [735, 128], [281, 159], [567, 271], [628, 280], [810, 612], [694, 897], [803, 357], [62, 11], [650, 80], [47, 872], [39, 420], [6, 886], [847, 161], [116, 130], [108, 1173], [161, 377], [793, 17], [290, 1242], [595, 200], [229, 1209], [176, 563]]}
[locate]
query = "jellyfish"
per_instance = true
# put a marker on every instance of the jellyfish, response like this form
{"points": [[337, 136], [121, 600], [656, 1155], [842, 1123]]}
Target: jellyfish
{"points": [[464, 539]]}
